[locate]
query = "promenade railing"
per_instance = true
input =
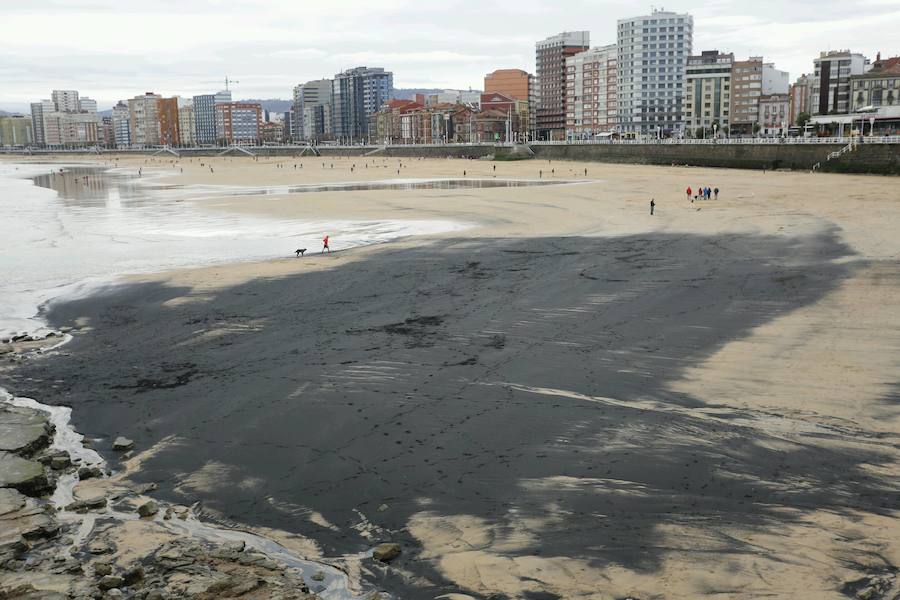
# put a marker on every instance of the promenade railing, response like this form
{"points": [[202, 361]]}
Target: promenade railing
{"points": [[887, 139]]}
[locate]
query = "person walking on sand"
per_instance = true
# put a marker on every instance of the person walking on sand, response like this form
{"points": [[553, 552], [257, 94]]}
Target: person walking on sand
{"points": [[716, 192], [652, 206], [689, 193], [325, 245]]}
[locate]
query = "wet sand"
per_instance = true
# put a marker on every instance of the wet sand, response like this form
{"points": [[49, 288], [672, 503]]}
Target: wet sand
{"points": [[571, 399]]}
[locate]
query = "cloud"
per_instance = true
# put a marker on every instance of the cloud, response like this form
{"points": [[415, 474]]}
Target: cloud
{"points": [[114, 49]]}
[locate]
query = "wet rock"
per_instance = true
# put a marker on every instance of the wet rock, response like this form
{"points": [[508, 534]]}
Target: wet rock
{"points": [[89, 473], [155, 595], [11, 501], [122, 444], [115, 593], [108, 582], [25, 475], [100, 547], [40, 526], [146, 488], [148, 508], [236, 546], [23, 430], [133, 574], [867, 593], [79, 506], [27, 592], [318, 576], [95, 503], [386, 552], [383, 508], [60, 461], [102, 569], [235, 585]]}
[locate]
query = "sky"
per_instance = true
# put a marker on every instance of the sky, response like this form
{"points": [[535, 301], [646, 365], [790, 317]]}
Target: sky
{"points": [[116, 49]]}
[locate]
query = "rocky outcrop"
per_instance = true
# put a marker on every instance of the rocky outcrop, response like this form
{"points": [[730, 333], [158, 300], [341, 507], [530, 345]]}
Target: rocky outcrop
{"points": [[26, 476], [386, 552], [23, 431], [122, 444]]}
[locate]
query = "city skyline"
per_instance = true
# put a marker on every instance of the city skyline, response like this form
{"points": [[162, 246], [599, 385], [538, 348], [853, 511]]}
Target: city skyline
{"points": [[271, 49]]}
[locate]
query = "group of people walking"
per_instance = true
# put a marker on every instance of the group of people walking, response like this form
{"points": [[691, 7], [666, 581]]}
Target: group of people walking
{"points": [[702, 193]]}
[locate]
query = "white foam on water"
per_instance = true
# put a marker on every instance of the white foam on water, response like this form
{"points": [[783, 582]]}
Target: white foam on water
{"points": [[54, 246]]}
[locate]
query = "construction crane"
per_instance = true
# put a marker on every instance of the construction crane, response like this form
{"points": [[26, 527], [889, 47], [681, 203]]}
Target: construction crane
{"points": [[229, 82]]}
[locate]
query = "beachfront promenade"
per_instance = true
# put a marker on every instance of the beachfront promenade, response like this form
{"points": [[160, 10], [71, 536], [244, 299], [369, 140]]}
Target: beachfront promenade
{"points": [[872, 155]]}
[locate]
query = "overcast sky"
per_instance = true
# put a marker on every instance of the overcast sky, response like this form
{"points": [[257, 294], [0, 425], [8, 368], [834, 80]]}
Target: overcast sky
{"points": [[115, 49]]}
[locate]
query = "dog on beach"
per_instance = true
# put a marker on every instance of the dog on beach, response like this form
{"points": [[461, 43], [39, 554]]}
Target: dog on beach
{"points": [[299, 252]]}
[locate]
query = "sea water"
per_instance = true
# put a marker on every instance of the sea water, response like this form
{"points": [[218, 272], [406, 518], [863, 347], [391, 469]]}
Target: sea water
{"points": [[64, 229]]}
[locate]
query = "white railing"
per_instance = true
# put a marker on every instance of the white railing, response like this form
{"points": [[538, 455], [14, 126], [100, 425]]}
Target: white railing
{"points": [[888, 139], [891, 139]]}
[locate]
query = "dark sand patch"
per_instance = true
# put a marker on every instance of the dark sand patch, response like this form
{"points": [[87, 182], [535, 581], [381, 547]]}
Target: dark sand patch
{"points": [[475, 378]]}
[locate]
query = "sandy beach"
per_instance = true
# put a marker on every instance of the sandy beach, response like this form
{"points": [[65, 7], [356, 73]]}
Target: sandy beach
{"points": [[567, 397]]}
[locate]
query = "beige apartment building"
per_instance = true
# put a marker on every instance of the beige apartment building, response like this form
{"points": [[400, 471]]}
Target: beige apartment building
{"points": [[144, 120], [591, 106], [707, 94], [746, 88], [800, 93], [186, 122]]}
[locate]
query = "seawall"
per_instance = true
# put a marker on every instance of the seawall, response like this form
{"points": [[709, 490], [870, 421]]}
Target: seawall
{"points": [[881, 159]]}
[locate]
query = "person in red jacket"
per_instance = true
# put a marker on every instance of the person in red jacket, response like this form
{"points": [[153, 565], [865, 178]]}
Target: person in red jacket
{"points": [[689, 193], [325, 245]]}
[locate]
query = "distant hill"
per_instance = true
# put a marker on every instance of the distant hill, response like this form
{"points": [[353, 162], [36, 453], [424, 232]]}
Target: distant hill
{"points": [[410, 93], [274, 105]]}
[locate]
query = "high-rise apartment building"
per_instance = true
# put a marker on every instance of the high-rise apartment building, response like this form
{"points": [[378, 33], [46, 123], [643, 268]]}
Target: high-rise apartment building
{"points": [[37, 122], [121, 121], [205, 116], [107, 133], [653, 51], [550, 70], [356, 95], [514, 83], [88, 105], [63, 121], [707, 93], [799, 93], [591, 92], [746, 88], [238, 122], [186, 124], [167, 115], [830, 93], [144, 121], [66, 101], [310, 98]]}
